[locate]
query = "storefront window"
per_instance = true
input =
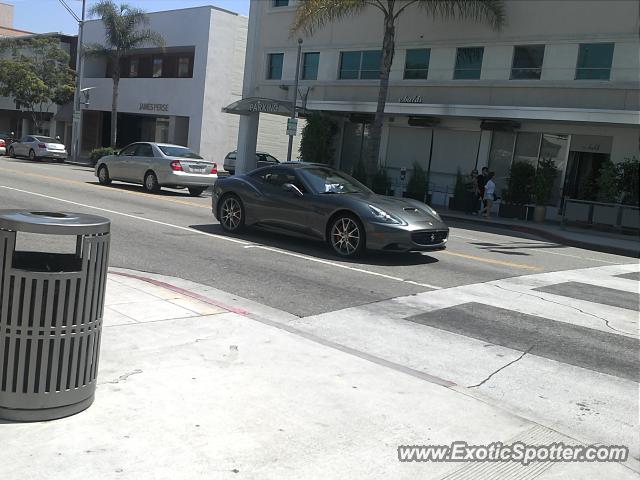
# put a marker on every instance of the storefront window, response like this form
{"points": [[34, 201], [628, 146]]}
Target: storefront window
{"points": [[554, 147], [360, 65], [183, 67], [527, 148], [527, 62], [157, 67], [594, 61], [468, 63], [371, 64], [500, 158], [417, 64], [134, 67]]}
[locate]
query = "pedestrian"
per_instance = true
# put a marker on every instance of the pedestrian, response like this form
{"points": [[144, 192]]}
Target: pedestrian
{"points": [[482, 180], [489, 192], [473, 192]]}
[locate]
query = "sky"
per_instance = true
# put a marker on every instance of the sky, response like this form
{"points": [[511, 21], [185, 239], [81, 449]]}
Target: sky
{"points": [[40, 16]]}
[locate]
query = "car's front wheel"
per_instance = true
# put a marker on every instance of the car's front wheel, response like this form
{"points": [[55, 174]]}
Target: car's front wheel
{"points": [[231, 214], [103, 175], [347, 236], [196, 191], [151, 184]]}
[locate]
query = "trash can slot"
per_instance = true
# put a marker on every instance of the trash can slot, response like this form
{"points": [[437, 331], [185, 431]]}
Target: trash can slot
{"points": [[46, 262]]}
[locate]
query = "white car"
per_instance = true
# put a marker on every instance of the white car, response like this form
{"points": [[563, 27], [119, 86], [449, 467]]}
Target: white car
{"points": [[156, 165], [263, 159], [38, 147]]}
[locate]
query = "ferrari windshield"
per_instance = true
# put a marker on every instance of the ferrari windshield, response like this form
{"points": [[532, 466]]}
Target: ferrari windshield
{"points": [[326, 180]]}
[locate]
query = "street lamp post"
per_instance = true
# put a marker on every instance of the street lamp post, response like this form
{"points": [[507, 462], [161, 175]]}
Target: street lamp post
{"points": [[77, 110], [294, 112]]}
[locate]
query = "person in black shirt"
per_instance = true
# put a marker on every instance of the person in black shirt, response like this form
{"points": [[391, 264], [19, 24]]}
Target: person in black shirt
{"points": [[482, 181]]}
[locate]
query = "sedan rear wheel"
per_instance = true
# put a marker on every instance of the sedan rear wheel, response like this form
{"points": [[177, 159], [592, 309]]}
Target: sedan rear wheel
{"points": [[346, 236], [196, 191], [12, 153], [32, 155], [151, 184], [231, 214]]}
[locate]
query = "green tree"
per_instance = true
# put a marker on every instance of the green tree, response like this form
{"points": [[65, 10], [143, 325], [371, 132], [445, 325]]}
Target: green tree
{"points": [[546, 174], [521, 183], [315, 14], [608, 183], [36, 75], [125, 30], [417, 184], [316, 144]]}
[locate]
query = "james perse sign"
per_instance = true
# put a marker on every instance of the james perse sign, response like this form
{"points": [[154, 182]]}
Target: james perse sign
{"points": [[155, 107]]}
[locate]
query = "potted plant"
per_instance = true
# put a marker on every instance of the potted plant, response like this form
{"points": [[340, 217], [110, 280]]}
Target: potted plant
{"points": [[464, 198], [417, 185], [518, 192], [545, 177], [380, 182]]}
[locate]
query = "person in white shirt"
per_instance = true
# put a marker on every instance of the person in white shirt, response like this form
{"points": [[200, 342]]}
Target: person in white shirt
{"points": [[489, 190]]}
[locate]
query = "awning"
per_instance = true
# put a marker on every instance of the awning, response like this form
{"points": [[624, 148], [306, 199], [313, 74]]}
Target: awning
{"points": [[250, 105]]}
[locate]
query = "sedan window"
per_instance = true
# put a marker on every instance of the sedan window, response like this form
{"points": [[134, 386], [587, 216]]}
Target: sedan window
{"points": [[180, 152], [144, 150], [129, 151], [47, 140]]}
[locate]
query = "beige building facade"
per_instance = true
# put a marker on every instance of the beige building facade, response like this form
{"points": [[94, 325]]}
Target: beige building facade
{"points": [[560, 80]]}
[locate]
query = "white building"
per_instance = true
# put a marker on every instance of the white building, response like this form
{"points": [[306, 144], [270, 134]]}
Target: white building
{"points": [[560, 80], [177, 93]]}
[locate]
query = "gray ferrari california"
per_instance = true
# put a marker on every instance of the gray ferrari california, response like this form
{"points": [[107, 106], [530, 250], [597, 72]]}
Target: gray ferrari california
{"points": [[319, 201]]}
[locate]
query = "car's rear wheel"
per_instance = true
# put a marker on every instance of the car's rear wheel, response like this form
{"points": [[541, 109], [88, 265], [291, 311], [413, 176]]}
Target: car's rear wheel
{"points": [[347, 236], [103, 175], [12, 153], [151, 184], [231, 214], [32, 155], [196, 191]]}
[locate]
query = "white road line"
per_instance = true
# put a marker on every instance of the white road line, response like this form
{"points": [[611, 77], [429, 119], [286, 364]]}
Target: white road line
{"points": [[232, 240]]}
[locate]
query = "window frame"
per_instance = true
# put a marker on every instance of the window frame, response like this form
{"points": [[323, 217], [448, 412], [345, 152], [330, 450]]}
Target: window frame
{"points": [[304, 66], [279, 4], [270, 57], [160, 60], [426, 70], [579, 69], [538, 69], [457, 69], [360, 63]]}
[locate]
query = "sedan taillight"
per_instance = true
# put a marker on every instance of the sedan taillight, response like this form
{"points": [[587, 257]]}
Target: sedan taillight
{"points": [[214, 170], [42, 145], [2, 143], [176, 166]]}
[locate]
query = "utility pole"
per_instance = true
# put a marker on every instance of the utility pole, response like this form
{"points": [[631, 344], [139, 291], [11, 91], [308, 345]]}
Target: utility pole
{"points": [[293, 121], [76, 134]]}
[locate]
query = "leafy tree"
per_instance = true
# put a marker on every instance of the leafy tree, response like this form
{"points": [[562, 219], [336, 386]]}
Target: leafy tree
{"points": [[316, 144], [124, 31], [607, 183], [380, 182], [36, 74], [315, 14], [629, 178], [521, 183], [545, 177], [359, 172]]}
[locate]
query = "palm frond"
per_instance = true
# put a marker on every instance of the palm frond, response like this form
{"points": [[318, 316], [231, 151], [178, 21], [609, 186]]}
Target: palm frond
{"points": [[141, 38], [97, 51], [315, 14], [492, 12]]}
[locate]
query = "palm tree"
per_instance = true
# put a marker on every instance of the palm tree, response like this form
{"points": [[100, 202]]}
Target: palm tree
{"points": [[315, 14], [123, 32]]}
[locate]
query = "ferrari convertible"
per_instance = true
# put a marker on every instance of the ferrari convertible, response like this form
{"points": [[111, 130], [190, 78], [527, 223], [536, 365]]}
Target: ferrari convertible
{"points": [[321, 202]]}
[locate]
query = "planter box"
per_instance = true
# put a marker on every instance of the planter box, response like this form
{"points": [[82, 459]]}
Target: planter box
{"points": [[577, 212], [521, 212], [630, 218], [605, 215]]}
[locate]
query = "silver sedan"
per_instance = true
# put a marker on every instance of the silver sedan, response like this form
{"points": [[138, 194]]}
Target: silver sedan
{"points": [[38, 147], [156, 165]]}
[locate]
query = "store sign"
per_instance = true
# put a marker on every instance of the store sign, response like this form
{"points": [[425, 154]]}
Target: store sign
{"points": [[411, 99], [591, 143], [154, 107]]}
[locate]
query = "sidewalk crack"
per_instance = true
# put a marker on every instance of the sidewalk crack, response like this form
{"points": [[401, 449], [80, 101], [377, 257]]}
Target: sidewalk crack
{"points": [[502, 368], [606, 322]]}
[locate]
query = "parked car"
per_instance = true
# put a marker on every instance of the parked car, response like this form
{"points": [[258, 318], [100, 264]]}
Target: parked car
{"points": [[156, 165], [321, 202], [38, 147], [3, 147], [6, 138], [262, 160]]}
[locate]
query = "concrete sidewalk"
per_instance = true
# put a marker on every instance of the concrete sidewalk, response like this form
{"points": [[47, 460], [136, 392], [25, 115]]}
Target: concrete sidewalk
{"points": [[195, 383], [617, 244]]}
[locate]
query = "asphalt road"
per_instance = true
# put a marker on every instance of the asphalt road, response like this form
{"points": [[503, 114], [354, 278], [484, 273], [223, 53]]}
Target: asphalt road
{"points": [[174, 234]]}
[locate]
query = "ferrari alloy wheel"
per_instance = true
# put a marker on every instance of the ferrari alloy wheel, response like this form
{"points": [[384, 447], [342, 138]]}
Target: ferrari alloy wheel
{"points": [[231, 214], [347, 236]]}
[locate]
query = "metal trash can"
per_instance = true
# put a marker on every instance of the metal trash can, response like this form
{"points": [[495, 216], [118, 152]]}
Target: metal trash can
{"points": [[51, 309]]}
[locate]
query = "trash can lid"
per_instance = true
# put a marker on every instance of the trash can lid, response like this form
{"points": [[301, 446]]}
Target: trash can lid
{"points": [[53, 223]]}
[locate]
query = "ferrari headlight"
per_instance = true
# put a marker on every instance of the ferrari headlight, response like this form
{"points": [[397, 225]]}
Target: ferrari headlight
{"points": [[383, 216]]}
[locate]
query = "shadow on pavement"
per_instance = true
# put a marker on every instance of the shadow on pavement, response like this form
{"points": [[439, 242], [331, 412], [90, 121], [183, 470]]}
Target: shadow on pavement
{"points": [[130, 187], [317, 249]]}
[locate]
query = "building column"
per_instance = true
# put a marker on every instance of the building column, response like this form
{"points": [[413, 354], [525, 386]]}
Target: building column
{"points": [[484, 149], [247, 141], [25, 128]]}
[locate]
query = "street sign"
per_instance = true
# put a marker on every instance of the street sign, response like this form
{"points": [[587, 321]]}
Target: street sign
{"points": [[76, 116], [292, 126]]}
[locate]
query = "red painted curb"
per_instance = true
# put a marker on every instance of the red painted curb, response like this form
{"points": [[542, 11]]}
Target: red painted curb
{"points": [[182, 291]]}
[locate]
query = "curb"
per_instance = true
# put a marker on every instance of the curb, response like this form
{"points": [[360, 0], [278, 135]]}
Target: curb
{"points": [[598, 247]]}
